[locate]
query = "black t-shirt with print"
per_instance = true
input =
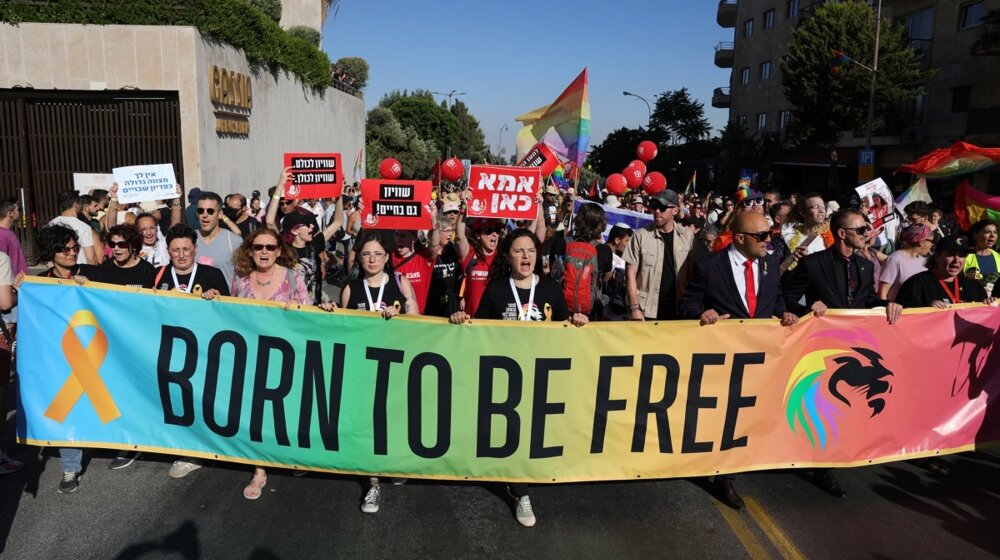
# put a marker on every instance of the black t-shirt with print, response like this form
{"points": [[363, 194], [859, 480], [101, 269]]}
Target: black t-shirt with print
{"points": [[142, 275], [442, 295], [498, 301], [205, 278]]}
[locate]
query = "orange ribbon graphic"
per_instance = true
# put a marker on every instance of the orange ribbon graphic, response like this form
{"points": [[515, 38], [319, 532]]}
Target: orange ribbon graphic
{"points": [[84, 377]]}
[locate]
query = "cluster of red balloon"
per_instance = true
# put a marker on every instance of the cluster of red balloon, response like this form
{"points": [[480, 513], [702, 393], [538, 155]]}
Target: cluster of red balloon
{"points": [[634, 176], [451, 169]]}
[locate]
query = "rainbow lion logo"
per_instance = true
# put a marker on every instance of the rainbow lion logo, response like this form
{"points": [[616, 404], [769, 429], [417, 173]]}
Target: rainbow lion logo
{"points": [[834, 358]]}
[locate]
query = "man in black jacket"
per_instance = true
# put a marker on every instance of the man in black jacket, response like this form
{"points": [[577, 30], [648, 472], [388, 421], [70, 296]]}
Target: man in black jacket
{"points": [[837, 278], [740, 282]]}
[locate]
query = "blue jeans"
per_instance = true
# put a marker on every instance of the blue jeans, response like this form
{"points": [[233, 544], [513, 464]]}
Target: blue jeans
{"points": [[72, 459]]}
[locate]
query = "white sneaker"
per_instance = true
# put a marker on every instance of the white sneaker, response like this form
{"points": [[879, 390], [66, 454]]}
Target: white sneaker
{"points": [[399, 481], [372, 499], [523, 512], [183, 467]]}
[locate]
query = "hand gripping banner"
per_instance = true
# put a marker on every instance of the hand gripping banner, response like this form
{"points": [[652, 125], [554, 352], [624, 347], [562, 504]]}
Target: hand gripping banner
{"points": [[249, 382]]}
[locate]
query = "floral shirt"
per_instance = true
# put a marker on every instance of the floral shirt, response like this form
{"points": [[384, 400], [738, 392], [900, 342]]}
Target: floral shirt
{"points": [[292, 288]]}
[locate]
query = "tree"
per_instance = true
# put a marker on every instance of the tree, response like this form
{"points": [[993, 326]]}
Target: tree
{"points": [[826, 103], [306, 33], [430, 121], [471, 142], [677, 115], [355, 67], [271, 8], [617, 150], [385, 137]]}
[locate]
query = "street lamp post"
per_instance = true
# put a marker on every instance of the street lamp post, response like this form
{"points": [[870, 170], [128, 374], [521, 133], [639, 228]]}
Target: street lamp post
{"points": [[449, 95], [649, 110], [500, 144], [871, 94]]}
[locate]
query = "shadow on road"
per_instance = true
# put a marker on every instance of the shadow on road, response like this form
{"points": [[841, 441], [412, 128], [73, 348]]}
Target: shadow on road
{"points": [[183, 541]]}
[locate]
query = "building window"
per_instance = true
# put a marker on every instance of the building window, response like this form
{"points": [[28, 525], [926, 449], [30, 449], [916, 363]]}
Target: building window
{"points": [[745, 76], [761, 121], [742, 121], [765, 70], [970, 15], [784, 118], [748, 27], [960, 98], [769, 19], [919, 28], [791, 8]]}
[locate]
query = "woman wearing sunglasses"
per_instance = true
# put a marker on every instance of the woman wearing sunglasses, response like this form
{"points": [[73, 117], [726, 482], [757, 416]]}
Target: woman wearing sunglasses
{"points": [[125, 267], [265, 270]]}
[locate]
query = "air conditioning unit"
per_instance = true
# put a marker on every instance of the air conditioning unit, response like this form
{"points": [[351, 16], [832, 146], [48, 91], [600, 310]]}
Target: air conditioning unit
{"points": [[912, 135]]}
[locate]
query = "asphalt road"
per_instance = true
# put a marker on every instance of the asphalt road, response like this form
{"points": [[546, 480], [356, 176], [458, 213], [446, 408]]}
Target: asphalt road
{"points": [[892, 511]]}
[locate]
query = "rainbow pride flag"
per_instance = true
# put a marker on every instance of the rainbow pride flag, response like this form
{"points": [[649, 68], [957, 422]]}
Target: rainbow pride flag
{"points": [[839, 61], [972, 205], [958, 159], [692, 184], [564, 125]]}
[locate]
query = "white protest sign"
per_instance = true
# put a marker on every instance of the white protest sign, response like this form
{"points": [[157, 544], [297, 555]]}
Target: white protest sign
{"points": [[139, 183], [83, 183], [880, 201]]}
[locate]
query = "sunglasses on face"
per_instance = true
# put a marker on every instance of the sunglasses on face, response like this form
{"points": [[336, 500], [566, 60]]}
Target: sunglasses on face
{"points": [[287, 202], [859, 230], [749, 203], [70, 249], [490, 230], [759, 236], [270, 248], [119, 245], [657, 207], [209, 211]]}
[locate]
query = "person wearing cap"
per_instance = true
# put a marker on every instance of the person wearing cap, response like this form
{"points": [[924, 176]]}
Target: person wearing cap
{"points": [[191, 212], [550, 206], [917, 240], [639, 203], [943, 283], [612, 201], [741, 282], [657, 261], [836, 278]]}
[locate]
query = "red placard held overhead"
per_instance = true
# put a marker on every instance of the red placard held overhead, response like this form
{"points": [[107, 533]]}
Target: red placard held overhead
{"points": [[395, 204], [314, 176], [504, 192], [542, 157]]}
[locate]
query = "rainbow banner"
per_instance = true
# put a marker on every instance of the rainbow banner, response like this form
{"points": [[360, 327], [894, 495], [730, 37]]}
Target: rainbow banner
{"points": [[564, 125], [349, 392], [958, 159], [972, 205]]}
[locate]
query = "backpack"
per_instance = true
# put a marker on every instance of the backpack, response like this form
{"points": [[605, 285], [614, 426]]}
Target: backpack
{"points": [[580, 274]]}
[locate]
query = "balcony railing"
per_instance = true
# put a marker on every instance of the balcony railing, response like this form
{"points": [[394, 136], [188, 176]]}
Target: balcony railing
{"points": [[726, 16], [720, 98], [724, 54], [988, 42]]}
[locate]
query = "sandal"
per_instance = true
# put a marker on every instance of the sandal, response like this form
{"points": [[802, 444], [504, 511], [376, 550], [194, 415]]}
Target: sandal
{"points": [[252, 492]]}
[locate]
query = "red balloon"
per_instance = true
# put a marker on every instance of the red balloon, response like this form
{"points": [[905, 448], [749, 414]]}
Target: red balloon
{"points": [[638, 164], [654, 182], [633, 177], [646, 150], [452, 169], [616, 184], [390, 168]]}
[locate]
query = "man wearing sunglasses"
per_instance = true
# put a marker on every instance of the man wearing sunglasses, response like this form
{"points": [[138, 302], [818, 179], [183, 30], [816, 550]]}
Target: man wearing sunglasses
{"points": [[837, 278], [741, 282], [657, 261], [216, 244]]}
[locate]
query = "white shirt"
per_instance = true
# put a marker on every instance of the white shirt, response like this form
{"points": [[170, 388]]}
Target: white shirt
{"points": [[156, 254], [317, 209], [84, 235], [736, 260], [788, 233]]}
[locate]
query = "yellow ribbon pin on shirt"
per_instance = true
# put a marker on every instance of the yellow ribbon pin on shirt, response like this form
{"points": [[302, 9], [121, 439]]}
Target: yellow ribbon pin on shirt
{"points": [[84, 375]]}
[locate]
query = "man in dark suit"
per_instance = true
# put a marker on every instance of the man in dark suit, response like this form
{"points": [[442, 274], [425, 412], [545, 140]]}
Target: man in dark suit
{"points": [[741, 282], [837, 278]]}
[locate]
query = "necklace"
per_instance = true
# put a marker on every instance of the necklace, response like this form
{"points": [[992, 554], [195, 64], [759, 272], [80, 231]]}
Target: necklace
{"points": [[270, 278]]}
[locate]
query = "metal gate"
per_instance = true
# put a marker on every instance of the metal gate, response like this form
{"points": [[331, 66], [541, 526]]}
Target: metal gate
{"points": [[45, 137]]}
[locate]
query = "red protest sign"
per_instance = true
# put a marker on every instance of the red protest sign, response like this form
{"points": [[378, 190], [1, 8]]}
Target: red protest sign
{"points": [[504, 192], [542, 157], [395, 204], [314, 176]]}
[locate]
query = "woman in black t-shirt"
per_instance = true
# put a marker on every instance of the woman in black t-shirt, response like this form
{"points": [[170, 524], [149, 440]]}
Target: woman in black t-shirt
{"points": [[943, 283], [125, 267], [519, 291], [442, 295], [184, 273]]}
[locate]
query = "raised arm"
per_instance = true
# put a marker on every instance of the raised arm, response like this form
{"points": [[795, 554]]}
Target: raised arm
{"points": [[272, 209], [338, 220]]}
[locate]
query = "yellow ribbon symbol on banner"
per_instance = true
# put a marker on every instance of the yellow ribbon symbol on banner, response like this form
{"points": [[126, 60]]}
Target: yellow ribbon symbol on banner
{"points": [[84, 377]]}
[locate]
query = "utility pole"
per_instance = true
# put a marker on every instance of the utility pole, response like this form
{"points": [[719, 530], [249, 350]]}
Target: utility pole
{"points": [[871, 94]]}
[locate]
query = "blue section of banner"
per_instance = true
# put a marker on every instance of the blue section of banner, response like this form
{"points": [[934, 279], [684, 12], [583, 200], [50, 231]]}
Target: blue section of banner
{"points": [[615, 216]]}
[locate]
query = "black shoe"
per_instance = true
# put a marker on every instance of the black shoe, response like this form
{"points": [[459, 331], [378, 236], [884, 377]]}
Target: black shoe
{"points": [[826, 481], [726, 492], [124, 459], [70, 482]]}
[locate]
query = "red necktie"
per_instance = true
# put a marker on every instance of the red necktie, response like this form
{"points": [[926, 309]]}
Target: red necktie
{"points": [[751, 296]]}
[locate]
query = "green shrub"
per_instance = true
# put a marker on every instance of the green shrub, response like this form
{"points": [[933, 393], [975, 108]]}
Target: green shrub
{"points": [[234, 22], [307, 33], [271, 8]]}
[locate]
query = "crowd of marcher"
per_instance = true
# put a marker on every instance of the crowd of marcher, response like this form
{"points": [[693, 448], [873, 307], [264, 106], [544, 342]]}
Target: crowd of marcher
{"points": [[752, 255]]}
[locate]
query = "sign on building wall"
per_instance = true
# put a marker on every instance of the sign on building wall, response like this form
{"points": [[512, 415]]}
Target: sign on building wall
{"points": [[232, 94]]}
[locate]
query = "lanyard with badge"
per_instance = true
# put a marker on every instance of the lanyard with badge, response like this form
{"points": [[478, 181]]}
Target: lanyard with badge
{"points": [[524, 315], [190, 284], [381, 289]]}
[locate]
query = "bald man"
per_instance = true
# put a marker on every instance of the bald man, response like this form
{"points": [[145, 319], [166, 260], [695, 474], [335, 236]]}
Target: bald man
{"points": [[740, 282]]}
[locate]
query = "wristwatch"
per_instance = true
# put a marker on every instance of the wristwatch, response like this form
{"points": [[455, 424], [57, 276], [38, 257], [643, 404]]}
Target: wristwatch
{"points": [[636, 307]]}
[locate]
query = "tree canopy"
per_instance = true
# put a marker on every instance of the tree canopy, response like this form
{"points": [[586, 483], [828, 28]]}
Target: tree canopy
{"points": [[471, 142], [385, 137], [355, 67], [826, 103], [677, 115]]}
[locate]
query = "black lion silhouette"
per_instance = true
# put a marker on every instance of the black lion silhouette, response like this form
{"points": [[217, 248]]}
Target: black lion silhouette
{"points": [[869, 379]]}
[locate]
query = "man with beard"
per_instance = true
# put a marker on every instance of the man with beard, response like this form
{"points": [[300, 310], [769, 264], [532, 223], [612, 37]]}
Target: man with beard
{"points": [[217, 244]]}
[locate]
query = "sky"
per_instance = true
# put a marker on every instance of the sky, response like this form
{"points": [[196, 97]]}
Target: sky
{"points": [[510, 57]]}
